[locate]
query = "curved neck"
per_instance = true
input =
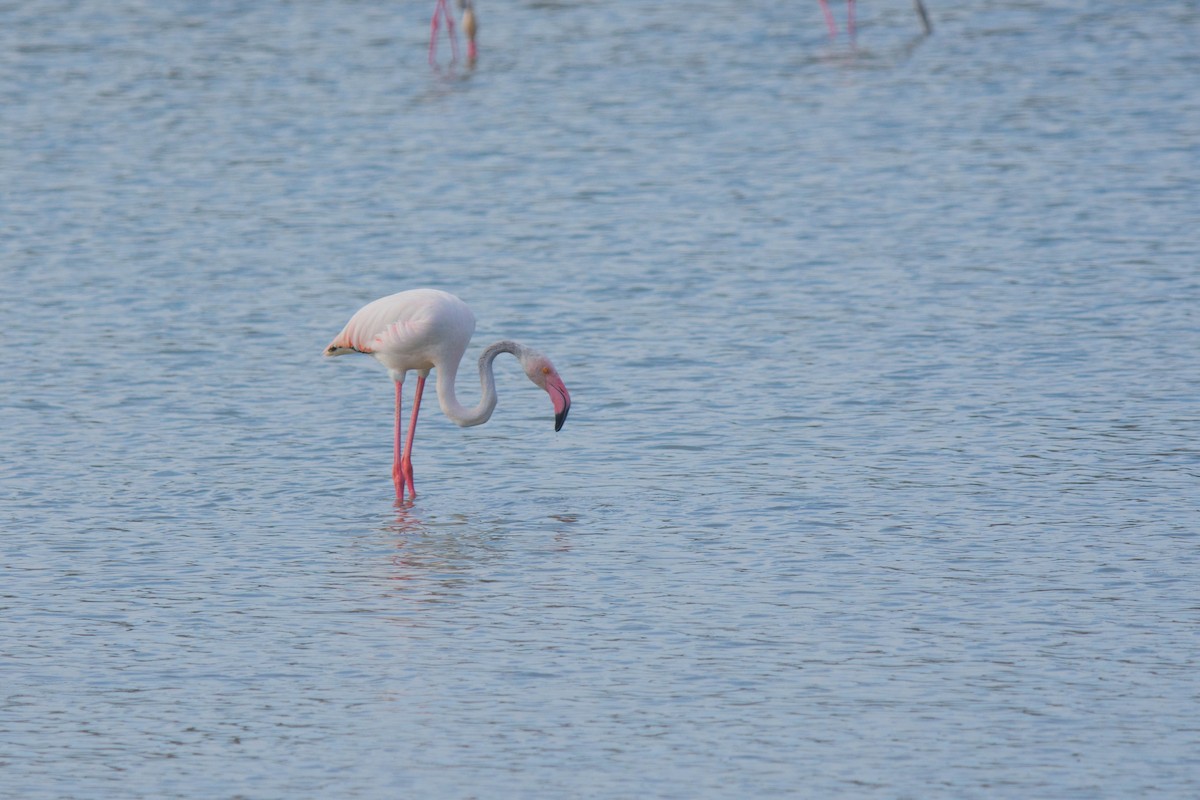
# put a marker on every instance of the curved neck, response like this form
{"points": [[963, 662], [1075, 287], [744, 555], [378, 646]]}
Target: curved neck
{"points": [[456, 411]]}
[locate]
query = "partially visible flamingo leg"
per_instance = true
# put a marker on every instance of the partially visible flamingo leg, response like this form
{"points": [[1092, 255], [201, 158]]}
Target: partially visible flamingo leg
{"points": [[450, 31], [398, 477], [828, 17], [850, 18], [433, 32], [406, 459], [440, 10], [924, 16]]}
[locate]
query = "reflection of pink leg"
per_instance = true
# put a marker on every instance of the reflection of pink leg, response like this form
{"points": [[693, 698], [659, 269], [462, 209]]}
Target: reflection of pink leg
{"points": [[397, 466], [850, 18], [406, 458], [828, 17]]}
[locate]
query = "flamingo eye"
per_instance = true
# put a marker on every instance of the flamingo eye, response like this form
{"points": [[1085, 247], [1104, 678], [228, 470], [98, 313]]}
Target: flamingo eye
{"points": [[545, 370]]}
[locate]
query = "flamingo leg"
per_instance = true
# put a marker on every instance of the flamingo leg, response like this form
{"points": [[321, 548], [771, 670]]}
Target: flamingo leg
{"points": [[828, 18], [450, 32], [470, 26], [398, 476], [850, 18], [406, 458], [924, 16], [433, 33], [441, 11]]}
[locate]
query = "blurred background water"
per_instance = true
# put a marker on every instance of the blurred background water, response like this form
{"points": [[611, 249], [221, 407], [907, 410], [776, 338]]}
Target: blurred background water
{"points": [[881, 476]]}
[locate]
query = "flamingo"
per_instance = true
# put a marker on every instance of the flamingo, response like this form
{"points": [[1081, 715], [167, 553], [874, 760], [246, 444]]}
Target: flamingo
{"points": [[470, 25], [424, 329], [917, 5]]}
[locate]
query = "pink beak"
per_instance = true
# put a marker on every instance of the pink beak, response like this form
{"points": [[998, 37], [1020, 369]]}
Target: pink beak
{"points": [[561, 399]]}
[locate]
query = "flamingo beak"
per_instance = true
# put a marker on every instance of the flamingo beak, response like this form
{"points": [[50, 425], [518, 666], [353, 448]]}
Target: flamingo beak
{"points": [[561, 399]]}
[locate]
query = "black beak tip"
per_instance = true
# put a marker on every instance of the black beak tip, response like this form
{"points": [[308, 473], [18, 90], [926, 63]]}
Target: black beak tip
{"points": [[560, 418]]}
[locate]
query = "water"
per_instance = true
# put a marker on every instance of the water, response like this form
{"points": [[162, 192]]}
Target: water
{"points": [[881, 475]]}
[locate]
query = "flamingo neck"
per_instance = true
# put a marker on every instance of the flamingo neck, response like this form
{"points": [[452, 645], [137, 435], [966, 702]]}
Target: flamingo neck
{"points": [[481, 413]]}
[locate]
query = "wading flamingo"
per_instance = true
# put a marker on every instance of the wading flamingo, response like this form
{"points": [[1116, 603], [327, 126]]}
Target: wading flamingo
{"points": [[423, 329], [917, 5], [470, 25]]}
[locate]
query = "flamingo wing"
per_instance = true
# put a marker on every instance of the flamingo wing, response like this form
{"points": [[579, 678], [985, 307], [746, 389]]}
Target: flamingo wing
{"points": [[412, 330]]}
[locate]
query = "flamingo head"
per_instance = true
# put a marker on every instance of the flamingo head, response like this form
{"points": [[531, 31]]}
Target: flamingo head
{"points": [[545, 376]]}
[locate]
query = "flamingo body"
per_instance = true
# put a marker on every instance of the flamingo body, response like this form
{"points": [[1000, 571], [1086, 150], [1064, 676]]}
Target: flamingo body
{"points": [[409, 331], [425, 329]]}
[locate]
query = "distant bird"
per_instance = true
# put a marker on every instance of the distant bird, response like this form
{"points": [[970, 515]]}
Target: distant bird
{"points": [[917, 4], [470, 24], [424, 329]]}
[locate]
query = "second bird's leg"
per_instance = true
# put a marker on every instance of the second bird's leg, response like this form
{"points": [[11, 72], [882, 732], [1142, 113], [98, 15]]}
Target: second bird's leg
{"points": [[829, 23], [924, 16], [470, 24], [406, 458], [398, 477], [442, 11]]}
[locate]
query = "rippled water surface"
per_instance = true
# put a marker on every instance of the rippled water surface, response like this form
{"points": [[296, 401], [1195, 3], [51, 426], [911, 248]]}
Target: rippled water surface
{"points": [[881, 476]]}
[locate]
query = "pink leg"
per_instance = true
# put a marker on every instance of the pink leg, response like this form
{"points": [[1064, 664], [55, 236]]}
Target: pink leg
{"points": [[470, 26], [451, 33], [850, 18], [397, 466], [433, 32], [440, 11], [406, 459], [828, 18]]}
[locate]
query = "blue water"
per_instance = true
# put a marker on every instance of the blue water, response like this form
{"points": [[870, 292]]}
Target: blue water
{"points": [[881, 474]]}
